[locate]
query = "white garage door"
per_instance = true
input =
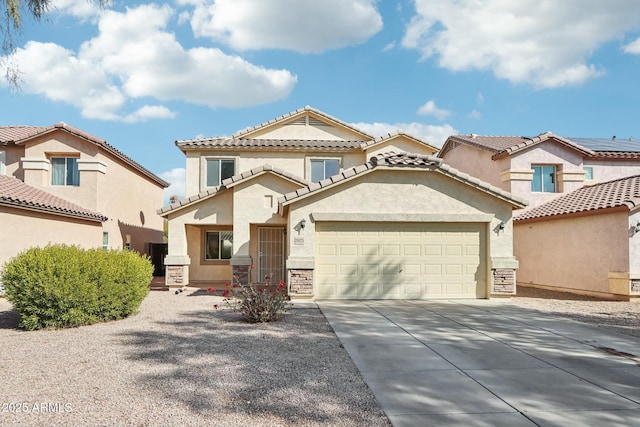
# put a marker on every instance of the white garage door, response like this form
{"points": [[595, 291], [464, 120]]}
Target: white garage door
{"points": [[400, 260]]}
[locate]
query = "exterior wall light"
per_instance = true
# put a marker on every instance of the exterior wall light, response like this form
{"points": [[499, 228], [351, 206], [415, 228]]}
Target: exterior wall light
{"points": [[303, 223]]}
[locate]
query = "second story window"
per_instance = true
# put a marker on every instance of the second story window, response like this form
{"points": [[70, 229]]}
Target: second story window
{"points": [[544, 179], [219, 170], [3, 162], [588, 172], [64, 171], [323, 169]]}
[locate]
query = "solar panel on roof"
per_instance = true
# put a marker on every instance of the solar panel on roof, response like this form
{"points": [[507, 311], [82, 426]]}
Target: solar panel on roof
{"points": [[609, 144]]}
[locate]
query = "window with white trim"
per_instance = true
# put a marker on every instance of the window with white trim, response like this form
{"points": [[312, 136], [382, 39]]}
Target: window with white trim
{"points": [[217, 170], [324, 168], [218, 245], [544, 179], [105, 240], [64, 171]]}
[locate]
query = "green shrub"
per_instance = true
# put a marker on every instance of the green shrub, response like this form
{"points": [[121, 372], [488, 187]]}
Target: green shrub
{"points": [[61, 286]]}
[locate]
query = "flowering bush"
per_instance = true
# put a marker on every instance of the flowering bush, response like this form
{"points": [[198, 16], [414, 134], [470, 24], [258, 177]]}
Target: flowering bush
{"points": [[257, 304]]}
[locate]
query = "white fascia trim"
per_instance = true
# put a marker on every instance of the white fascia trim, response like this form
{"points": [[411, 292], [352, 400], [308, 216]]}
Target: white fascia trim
{"points": [[400, 217]]}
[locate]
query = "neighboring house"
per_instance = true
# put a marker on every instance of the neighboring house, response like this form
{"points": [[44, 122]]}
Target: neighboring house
{"points": [[543, 167], [336, 213], [564, 241], [61, 185], [585, 242]]}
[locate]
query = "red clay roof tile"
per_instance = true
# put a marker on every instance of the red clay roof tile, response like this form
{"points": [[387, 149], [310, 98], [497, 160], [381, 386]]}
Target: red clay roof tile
{"points": [[16, 193]]}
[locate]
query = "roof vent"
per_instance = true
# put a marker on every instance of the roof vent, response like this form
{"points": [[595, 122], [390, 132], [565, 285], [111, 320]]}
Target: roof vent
{"points": [[613, 138], [474, 136]]}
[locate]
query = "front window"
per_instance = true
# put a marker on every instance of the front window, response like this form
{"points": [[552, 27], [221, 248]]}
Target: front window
{"points": [[219, 170], [218, 245], [323, 169], [105, 240], [588, 172], [544, 179], [64, 171]]}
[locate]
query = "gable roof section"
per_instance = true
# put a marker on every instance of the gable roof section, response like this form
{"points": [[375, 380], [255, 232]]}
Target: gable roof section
{"points": [[400, 133], [502, 146], [394, 161], [20, 134], [226, 143], [624, 192], [230, 183], [17, 194], [246, 133]]}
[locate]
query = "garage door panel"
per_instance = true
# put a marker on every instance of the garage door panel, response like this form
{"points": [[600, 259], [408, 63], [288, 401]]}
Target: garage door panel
{"points": [[348, 250], [327, 249], [369, 250], [399, 260]]}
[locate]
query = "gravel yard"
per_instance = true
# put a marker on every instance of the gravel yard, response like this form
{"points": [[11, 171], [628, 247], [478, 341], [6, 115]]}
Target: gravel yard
{"points": [[621, 316], [179, 362]]}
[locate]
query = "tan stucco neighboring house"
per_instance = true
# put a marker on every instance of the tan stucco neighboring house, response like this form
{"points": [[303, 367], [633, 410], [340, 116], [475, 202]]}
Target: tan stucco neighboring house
{"points": [[586, 242], [335, 213], [542, 167], [60, 165]]}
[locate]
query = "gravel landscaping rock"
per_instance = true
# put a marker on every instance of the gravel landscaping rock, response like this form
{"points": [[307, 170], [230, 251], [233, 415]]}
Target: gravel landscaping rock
{"points": [[179, 362], [620, 316]]}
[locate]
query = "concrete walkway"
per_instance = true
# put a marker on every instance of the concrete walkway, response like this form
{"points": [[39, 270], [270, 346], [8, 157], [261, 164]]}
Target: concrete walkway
{"points": [[486, 363]]}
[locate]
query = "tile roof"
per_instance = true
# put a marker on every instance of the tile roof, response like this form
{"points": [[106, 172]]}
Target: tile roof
{"points": [[507, 145], [399, 160], [299, 112], [269, 144], [229, 183], [20, 134], [400, 132], [612, 194], [16, 193]]}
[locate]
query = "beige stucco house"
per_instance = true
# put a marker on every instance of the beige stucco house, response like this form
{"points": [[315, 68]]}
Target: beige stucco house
{"points": [[576, 236], [585, 242], [59, 184], [335, 213], [543, 167]]}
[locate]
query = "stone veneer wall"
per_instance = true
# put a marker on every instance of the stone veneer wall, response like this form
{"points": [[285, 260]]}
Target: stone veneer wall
{"points": [[504, 281], [175, 275], [241, 274], [301, 282]]}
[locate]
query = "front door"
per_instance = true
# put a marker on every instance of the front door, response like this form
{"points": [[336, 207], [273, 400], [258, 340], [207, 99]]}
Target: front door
{"points": [[270, 254]]}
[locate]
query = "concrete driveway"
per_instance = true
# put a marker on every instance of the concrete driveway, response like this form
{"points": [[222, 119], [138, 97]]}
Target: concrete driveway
{"points": [[486, 363]]}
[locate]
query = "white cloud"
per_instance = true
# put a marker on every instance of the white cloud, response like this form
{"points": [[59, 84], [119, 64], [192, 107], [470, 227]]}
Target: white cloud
{"points": [[434, 135], [545, 43], [389, 46], [431, 109], [79, 8], [480, 98], [150, 112], [475, 114], [633, 47], [134, 56], [177, 178], [305, 26]]}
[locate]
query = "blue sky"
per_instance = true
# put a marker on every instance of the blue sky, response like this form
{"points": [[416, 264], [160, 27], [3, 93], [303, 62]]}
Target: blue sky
{"points": [[143, 74]]}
